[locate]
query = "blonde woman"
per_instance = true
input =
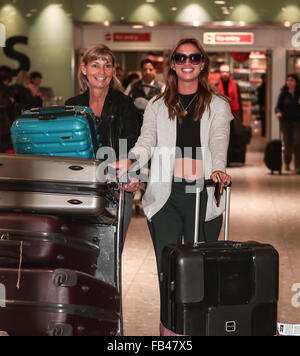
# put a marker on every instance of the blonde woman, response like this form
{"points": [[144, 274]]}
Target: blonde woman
{"points": [[23, 98], [115, 112]]}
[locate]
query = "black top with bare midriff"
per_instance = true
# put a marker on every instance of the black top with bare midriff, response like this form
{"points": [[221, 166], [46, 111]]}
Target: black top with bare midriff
{"points": [[188, 132]]}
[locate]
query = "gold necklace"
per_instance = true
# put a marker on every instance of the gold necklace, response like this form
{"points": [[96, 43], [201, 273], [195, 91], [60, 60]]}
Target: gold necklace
{"points": [[184, 109]]}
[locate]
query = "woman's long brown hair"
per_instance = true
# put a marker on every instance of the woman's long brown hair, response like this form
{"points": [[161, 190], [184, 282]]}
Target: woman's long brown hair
{"points": [[205, 91]]}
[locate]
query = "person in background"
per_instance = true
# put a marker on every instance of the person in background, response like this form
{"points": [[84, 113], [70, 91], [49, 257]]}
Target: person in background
{"points": [[23, 98], [8, 72], [120, 74], [191, 122], [288, 112], [261, 99], [35, 82], [228, 87], [146, 88], [6, 107], [116, 114], [131, 79]]}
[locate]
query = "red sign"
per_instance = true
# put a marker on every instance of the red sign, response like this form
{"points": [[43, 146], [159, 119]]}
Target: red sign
{"points": [[228, 38], [128, 37]]}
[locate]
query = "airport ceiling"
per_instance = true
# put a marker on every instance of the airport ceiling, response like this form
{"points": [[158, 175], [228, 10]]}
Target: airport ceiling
{"points": [[164, 12]]}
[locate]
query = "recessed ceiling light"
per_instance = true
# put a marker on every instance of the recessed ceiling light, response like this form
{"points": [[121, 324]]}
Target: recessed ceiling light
{"points": [[137, 26], [151, 23], [150, 1], [174, 8], [106, 23], [287, 24], [219, 2]]}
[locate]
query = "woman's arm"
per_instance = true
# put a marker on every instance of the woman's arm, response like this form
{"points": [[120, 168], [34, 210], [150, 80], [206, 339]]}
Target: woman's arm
{"points": [[218, 143], [142, 150]]}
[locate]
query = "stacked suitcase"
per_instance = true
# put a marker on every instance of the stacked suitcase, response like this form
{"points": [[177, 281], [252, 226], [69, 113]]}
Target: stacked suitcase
{"points": [[60, 265], [67, 131]]}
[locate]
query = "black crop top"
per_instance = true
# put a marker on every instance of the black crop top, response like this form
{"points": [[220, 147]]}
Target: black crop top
{"points": [[188, 133]]}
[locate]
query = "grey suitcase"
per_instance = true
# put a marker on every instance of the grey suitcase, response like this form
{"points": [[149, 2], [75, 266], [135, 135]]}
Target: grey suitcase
{"points": [[52, 185], [48, 168]]}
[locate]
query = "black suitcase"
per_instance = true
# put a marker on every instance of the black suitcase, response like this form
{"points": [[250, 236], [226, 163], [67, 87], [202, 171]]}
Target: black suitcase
{"points": [[217, 289], [273, 156]]}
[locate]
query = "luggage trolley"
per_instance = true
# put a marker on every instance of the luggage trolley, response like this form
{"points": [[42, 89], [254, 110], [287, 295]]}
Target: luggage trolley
{"points": [[51, 239]]}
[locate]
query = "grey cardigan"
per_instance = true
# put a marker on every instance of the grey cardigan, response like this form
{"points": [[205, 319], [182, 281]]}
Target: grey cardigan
{"points": [[158, 141]]}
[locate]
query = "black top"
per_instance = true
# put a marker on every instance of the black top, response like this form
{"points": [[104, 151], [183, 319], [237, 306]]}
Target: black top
{"points": [[119, 120], [188, 133], [289, 105]]}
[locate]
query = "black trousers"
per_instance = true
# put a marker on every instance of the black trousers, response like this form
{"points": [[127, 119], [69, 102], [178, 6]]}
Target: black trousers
{"points": [[175, 222], [291, 138]]}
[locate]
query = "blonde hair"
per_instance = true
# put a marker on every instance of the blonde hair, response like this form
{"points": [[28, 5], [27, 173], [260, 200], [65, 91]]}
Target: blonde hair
{"points": [[99, 51], [23, 77]]}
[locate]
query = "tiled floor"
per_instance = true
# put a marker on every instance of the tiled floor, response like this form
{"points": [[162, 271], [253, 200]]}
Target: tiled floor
{"points": [[264, 208]]}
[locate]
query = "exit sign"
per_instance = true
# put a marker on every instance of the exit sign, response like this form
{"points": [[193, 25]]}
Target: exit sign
{"points": [[228, 38]]}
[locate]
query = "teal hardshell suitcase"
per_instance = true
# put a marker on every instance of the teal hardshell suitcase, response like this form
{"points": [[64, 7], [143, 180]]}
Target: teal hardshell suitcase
{"points": [[68, 131]]}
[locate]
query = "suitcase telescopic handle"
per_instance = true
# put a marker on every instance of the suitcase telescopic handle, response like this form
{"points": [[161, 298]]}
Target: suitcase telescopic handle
{"points": [[53, 108], [211, 183]]}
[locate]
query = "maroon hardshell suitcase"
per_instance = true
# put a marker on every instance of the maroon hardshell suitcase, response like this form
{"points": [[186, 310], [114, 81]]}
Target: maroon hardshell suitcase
{"points": [[46, 241], [57, 302]]}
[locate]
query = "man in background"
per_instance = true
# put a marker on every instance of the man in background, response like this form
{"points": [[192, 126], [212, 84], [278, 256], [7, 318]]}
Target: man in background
{"points": [[238, 139], [35, 82], [228, 87], [146, 88]]}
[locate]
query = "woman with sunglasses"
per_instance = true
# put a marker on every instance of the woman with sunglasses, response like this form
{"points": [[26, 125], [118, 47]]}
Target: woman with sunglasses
{"points": [[185, 132]]}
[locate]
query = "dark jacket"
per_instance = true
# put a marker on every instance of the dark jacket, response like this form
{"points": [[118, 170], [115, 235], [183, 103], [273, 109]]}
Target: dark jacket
{"points": [[119, 119], [24, 100], [289, 105], [137, 90], [5, 121]]}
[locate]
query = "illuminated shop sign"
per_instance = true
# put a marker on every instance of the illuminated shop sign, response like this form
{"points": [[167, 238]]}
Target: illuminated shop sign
{"points": [[128, 37], [228, 38]]}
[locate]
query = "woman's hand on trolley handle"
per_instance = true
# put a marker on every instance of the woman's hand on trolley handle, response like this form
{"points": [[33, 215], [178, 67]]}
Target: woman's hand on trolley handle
{"points": [[122, 167], [222, 178]]}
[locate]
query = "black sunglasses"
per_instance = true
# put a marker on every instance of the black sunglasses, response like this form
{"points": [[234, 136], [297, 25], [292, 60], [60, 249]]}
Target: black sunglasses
{"points": [[180, 58]]}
